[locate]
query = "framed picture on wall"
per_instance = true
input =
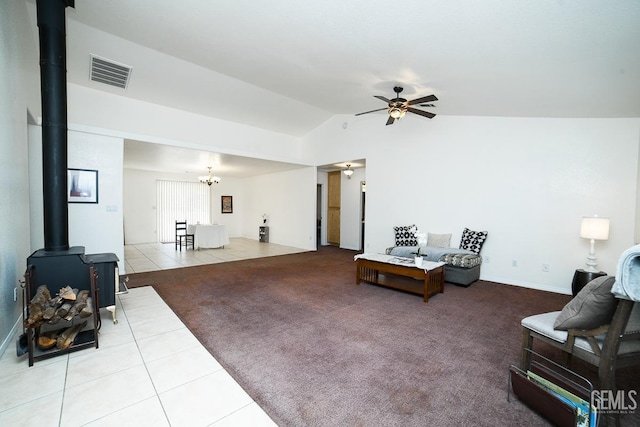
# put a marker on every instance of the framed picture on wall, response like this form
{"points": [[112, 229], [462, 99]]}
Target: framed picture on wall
{"points": [[82, 185], [227, 204]]}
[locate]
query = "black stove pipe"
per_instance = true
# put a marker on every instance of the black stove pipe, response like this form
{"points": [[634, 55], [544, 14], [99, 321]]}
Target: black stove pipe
{"points": [[53, 85]]}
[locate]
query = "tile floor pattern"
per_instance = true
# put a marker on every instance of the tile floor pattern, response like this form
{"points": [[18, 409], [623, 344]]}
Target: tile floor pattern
{"points": [[149, 370], [163, 256]]}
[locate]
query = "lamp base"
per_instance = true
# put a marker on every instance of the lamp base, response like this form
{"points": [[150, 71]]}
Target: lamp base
{"points": [[582, 277]]}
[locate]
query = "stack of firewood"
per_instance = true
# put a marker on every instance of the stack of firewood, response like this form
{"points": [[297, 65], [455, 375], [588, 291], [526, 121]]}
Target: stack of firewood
{"points": [[67, 304]]}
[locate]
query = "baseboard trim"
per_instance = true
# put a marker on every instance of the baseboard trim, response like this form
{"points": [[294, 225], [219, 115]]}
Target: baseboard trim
{"points": [[530, 285]]}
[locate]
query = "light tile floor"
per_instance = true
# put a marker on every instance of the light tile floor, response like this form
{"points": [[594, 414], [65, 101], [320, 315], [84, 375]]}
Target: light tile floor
{"points": [[149, 370], [163, 256]]}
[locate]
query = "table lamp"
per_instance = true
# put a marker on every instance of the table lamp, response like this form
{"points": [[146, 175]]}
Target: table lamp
{"points": [[594, 228]]}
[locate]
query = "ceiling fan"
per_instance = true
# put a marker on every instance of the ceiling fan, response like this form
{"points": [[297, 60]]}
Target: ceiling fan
{"points": [[397, 107]]}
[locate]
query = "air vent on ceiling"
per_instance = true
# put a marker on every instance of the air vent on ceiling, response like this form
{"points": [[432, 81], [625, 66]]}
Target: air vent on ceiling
{"points": [[109, 72]]}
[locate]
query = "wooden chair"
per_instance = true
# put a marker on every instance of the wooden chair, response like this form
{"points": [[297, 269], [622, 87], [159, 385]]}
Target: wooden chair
{"points": [[183, 237], [608, 347]]}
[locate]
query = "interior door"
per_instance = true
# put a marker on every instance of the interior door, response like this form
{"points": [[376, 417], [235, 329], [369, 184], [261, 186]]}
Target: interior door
{"points": [[333, 208]]}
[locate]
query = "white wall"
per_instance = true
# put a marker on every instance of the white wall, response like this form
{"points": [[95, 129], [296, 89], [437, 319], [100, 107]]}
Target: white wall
{"points": [[289, 200], [98, 227], [159, 124], [140, 204], [19, 86], [284, 196], [128, 118], [527, 181]]}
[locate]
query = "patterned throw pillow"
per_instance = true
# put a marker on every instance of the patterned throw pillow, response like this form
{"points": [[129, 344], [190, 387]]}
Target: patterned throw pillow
{"points": [[405, 235], [473, 240]]}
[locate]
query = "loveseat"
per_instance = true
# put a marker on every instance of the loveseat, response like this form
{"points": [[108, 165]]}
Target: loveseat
{"points": [[462, 265]]}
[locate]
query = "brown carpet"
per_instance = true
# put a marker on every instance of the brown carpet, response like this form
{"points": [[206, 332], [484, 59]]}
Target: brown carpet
{"points": [[314, 349]]}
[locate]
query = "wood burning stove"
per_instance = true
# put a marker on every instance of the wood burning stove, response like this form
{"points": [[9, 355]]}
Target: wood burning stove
{"points": [[71, 268], [58, 265]]}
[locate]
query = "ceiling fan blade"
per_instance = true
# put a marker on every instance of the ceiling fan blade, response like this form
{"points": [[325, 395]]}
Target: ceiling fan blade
{"points": [[422, 113], [390, 121], [382, 98], [372, 111], [429, 98]]}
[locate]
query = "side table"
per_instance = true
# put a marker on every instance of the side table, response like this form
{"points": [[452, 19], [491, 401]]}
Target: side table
{"points": [[263, 234], [582, 277]]}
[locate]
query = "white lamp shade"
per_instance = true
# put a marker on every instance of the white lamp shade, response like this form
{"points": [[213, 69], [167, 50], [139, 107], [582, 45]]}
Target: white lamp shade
{"points": [[595, 228]]}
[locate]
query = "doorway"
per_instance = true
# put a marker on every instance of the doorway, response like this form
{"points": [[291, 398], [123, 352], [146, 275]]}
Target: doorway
{"points": [[318, 215], [363, 193]]}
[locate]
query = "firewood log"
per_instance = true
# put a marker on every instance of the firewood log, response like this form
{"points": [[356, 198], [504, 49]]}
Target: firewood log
{"points": [[42, 293], [56, 301], [51, 308], [48, 312], [88, 309], [48, 340], [64, 309], [35, 316], [37, 307], [55, 319], [67, 293], [81, 302], [66, 338]]}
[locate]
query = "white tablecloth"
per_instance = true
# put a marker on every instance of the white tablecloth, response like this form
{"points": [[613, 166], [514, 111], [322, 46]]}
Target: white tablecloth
{"points": [[407, 262], [209, 235]]}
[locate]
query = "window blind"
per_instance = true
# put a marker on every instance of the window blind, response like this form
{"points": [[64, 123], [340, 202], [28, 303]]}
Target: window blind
{"points": [[179, 201]]}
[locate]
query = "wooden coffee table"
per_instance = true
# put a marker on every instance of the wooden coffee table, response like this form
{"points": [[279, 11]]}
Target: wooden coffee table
{"points": [[431, 274]]}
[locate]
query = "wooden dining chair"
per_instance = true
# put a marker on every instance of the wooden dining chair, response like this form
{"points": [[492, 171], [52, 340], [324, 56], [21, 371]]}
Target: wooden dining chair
{"points": [[183, 237]]}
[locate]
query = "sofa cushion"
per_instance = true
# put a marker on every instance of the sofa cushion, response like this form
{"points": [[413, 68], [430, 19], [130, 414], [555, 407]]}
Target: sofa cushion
{"points": [[594, 306], [405, 235], [439, 240], [473, 240], [461, 260]]}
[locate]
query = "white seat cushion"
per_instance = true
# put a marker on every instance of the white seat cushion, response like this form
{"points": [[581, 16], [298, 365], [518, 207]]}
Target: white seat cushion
{"points": [[543, 325]]}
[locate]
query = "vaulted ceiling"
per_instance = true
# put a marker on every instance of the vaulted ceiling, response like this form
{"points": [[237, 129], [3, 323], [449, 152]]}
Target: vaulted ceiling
{"points": [[289, 65]]}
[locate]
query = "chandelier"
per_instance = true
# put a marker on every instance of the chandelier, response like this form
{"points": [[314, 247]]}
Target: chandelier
{"points": [[208, 179]]}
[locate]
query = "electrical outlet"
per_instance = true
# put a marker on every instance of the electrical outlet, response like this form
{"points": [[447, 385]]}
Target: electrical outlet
{"points": [[487, 259], [15, 294], [545, 268], [514, 263]]}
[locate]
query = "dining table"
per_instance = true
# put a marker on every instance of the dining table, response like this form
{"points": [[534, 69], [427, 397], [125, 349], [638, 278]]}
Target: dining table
{"points": [[208, 235]]}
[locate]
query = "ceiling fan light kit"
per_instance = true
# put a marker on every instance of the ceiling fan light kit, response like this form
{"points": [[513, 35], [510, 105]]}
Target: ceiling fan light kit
{"points": [[397, 112], [398, 107]]}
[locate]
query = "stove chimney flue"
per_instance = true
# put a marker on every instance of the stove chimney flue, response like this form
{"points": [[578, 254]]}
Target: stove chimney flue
{"points": [[53, 85]]}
